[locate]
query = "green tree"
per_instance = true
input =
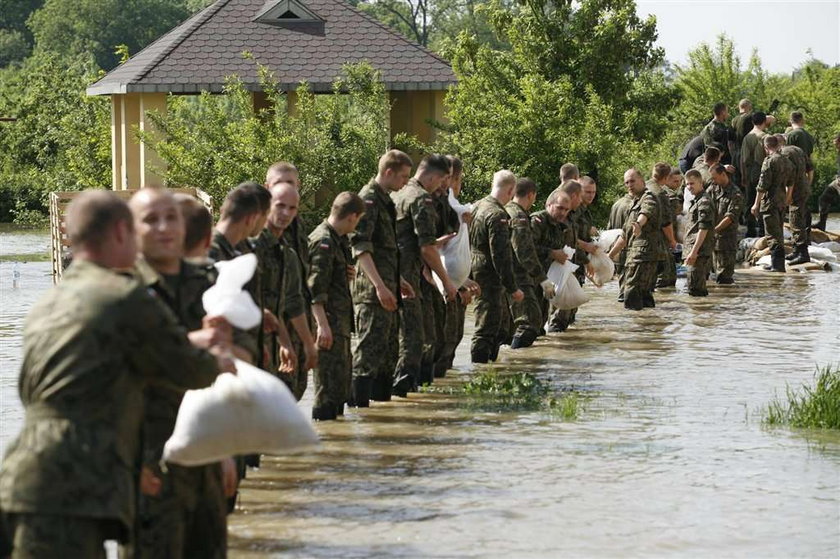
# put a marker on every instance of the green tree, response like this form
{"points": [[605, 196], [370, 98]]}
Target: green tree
{"points": [[715, 74], [98, 26], [545, 102], [61, 139], [215, 142]]}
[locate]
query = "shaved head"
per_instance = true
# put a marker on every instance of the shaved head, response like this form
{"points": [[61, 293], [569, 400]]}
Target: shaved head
{"points": [[159, 226], [285, 199]]}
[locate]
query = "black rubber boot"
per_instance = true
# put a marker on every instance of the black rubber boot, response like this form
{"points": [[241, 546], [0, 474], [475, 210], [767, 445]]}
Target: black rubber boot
{"points": [[427, 373], [404, 383], [777, 260], [479, 356], [252, 460], [648, 301], [324, 413], [800, 256], [339, 410], [440, 370], [360, 392], [821, 224], [380, 389]]}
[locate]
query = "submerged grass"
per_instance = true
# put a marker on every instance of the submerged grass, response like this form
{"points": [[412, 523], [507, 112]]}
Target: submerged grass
{"points": [[491, 391], [810, 407]]}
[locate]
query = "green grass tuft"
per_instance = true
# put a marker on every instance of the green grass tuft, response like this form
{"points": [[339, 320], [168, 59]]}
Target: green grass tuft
{"points": [[810, 407], [520, 392]]}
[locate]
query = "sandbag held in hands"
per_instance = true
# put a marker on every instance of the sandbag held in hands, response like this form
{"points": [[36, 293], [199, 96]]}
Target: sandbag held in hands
{"points": [[227, 298], [251, 412]]}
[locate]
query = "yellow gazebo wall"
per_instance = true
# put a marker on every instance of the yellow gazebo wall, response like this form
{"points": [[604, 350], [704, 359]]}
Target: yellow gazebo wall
{"points": [[135, 165]]}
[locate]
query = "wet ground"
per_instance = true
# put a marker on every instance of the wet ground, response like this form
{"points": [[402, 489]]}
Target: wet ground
{"points": [[667, 458]]}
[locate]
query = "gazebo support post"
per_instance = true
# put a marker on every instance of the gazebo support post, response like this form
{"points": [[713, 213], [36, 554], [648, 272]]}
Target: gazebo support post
{"points": [[134, 164]]}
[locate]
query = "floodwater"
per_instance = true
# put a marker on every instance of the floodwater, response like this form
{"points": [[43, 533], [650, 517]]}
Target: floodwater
{"points": [[667, 458]]}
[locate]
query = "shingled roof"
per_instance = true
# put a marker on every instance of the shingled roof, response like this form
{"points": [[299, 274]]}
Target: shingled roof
{"points": [[299, 40]]}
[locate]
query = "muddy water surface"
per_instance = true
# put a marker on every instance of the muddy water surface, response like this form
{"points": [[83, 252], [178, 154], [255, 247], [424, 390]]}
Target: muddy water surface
{"points": [[668, 457]]}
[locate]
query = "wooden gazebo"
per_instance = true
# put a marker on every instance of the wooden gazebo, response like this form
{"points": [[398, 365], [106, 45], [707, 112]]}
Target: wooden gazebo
{"points": [[299, 40]]}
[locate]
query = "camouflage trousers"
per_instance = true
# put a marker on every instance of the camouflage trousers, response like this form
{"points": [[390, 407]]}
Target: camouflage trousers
{"points": [[453, 332], [639, 282], [490, 312], [377, 347], [37, 536], [799, 218], [830, 196], [668, 274], [187, 519], [434, 317], [526, 314], [297, 380], [333, 375], [697, 276], [772, 219], [412, 339], [724, 264]]}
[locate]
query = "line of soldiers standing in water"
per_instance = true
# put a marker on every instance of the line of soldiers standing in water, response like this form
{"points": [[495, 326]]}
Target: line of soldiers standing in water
{"points": [[106, 364]]}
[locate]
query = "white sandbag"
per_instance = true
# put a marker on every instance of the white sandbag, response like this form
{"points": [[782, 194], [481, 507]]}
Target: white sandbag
{"points": [[455, 256], [833, 246], [765, 260], [603, 268], [687, 198], [459, 208], [568, 293], [251, 412], [227, 298], [606, 239], [820, 253]]}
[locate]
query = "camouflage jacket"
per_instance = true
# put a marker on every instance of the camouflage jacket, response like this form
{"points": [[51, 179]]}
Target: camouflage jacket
{"points": [[701, 216], [329, 257], [776, 174], [645, 247], [664, 204], [376, 234], [717, 134], [582, 220], [752, 156], [548, 235], [727, 202], [416, 225], [527, 267], [492, 258], [90, 347], [801, 185]]}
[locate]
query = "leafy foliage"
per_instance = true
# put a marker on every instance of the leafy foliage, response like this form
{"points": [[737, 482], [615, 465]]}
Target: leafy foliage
{"points": [[61, 139], [560, 94], [335, 140], [98, 26]]}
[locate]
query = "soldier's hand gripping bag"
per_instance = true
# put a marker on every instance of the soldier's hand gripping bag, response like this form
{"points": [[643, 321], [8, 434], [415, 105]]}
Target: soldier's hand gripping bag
{"points": [[251, 412], [603, 268], [568, 292], [606, 239], [456, 259]]}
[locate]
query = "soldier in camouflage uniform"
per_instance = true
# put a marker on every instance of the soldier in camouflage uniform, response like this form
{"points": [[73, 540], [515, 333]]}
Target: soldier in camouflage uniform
{"points": [[698, 236], [447, 313], [799, 216], [527, 268], [642, 235], [717, 134], [799, 137], [831, 193], [492, 266], [752, 156], [776, 176], [298, 312], [330, 272], [456, 309], [728, 203], [549, 230], [665, 244], [181, 510], [68, 482], [741, 126], [377, 289], [618, 216], [561, 319], [416, 227], [711, 157]]}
